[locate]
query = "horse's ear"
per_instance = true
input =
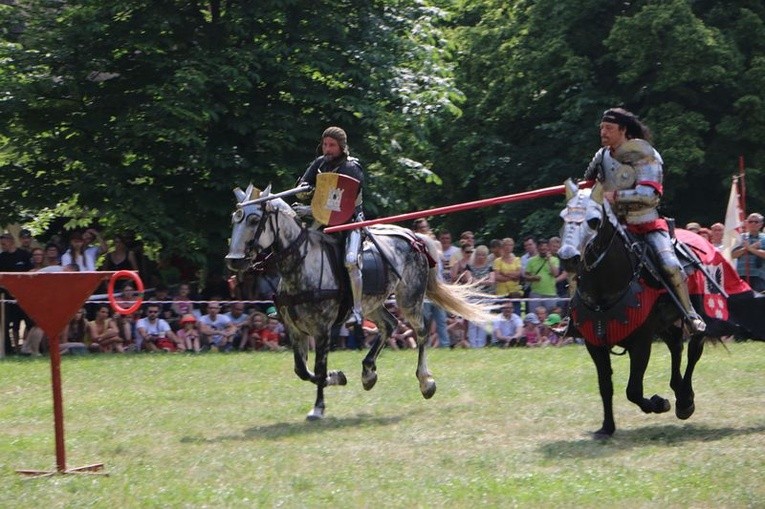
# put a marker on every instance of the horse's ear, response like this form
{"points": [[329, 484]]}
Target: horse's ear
{"points": [[252, 192], [597, 193], [240, 195], [267, 191], [571, 189]]}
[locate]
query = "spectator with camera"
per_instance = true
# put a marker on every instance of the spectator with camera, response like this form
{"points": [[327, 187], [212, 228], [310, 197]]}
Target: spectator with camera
{"points": [[750, 252], [541, 271]]}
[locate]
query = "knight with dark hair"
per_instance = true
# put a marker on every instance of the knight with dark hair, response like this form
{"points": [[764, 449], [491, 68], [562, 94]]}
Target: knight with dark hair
{"points": [[630, 171]]}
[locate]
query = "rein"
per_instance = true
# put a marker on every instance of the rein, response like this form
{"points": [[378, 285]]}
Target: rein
{"points": [[292, 257], [591, 266], [283, 254]]}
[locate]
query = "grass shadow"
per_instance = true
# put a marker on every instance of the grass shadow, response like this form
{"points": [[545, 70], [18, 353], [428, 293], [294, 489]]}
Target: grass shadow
{"points": [[668, 435], [279, 430]]}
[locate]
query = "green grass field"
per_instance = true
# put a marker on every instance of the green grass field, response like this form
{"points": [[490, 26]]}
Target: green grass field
{"points": [[507, 428]]}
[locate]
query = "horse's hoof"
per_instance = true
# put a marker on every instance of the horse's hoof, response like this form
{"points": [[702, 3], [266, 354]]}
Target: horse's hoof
{"points": [[315, 415], [685, 413], [602, 434], [659, 404], [336, 378], [368, 380], [428, 389]]}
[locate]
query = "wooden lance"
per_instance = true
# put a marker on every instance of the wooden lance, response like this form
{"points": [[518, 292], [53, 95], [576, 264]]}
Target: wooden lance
{"points": [[488, 202]]}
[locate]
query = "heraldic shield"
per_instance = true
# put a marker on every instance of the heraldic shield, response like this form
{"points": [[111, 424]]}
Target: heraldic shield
{"points": [[334, 198]]}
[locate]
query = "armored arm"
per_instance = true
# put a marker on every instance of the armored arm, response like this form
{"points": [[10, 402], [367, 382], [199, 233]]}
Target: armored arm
{"points": [[647, 164], [309, 177], [641, 195], [595, 168]]}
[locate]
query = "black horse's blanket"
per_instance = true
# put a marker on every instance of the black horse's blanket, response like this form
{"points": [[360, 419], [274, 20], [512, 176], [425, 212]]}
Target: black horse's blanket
{"points": [[741, 313]]}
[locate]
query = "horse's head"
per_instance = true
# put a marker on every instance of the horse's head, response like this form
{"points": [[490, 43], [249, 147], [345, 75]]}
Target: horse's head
{"points": [[244, 222], [582, 218], [248, 233]]}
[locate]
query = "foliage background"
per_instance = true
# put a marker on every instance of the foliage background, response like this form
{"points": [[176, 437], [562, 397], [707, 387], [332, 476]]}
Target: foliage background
{"points": [[144, 115]]}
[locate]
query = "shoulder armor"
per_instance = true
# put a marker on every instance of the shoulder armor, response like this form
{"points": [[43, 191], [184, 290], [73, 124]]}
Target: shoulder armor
{"points": [[632, 151]]}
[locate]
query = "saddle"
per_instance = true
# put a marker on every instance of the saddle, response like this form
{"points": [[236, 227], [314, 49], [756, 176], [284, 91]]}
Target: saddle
{"points": [[374, 273]]}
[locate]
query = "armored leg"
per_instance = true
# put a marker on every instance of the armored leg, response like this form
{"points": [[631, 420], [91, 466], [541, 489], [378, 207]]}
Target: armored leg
{"points": [[673, 271], [353, 265]]}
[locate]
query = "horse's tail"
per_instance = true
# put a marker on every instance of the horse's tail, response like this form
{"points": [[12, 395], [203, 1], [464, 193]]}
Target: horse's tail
{"points": [[463, 300]]}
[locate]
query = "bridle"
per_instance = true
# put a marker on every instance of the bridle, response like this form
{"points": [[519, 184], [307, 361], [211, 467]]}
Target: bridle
{"points": [[276, 254]]}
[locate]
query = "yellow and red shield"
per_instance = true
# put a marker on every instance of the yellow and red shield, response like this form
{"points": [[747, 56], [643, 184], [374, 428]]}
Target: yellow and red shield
{"points": [[334, 198]]}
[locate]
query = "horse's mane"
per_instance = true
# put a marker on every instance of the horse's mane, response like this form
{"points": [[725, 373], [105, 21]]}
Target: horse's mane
{"points": [[611, 215], [283, 207]]}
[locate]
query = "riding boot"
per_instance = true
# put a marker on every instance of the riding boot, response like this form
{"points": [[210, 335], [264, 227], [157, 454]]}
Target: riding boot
{"points": [[695, 322]]}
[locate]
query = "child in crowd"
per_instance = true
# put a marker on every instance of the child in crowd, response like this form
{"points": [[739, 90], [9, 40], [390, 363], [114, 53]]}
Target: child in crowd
{"points": [[273, 335], [402, 337], [531, 336], [370, 330], [455, 326], [549, 329], [256, 326], [75, 338], [182, 304], [126, 329], [188, 335]]}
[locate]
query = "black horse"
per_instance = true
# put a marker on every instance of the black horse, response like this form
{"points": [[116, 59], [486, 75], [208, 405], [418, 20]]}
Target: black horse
{"points": [[619, 301]]}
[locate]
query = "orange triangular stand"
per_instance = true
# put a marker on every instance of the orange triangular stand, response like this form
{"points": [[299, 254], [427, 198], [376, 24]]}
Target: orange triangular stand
{"points": [[51, 298]]}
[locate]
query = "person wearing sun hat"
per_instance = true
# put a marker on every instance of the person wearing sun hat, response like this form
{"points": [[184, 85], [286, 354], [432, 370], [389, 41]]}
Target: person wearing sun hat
{"points": [[552, 320], [551, 329], [531, 336], [188, 335]]}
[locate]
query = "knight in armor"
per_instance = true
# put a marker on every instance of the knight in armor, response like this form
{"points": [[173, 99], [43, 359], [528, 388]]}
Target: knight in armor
{"points": [[335, 158], [630, 171]]}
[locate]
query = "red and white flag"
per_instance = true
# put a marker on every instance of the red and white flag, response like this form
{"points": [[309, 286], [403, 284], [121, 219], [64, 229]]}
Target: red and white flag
{"points": [[734, 218]]}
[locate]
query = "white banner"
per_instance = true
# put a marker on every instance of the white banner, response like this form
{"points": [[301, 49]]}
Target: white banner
{"points": [[734, 218]]}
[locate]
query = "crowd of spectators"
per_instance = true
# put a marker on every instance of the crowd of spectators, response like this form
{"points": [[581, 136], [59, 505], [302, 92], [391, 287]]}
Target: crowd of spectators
{"points": [[530, 288]]}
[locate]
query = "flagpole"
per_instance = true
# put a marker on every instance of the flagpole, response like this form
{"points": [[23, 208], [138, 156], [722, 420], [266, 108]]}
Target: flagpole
{"points": [[742, 179], [742, 201]]}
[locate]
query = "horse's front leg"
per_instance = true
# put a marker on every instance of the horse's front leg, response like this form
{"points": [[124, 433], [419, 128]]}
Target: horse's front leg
{"points": [[300, 354], [685, 405], [639, 354], [601, 357], [683, 393], [321, 378]]}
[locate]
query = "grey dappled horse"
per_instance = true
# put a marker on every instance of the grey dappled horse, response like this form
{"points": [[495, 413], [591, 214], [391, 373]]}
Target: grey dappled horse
{"points": [[611, 279], [313, 293]]}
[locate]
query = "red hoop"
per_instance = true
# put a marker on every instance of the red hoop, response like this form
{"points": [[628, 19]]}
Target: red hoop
{"points": [[129, 274]]}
